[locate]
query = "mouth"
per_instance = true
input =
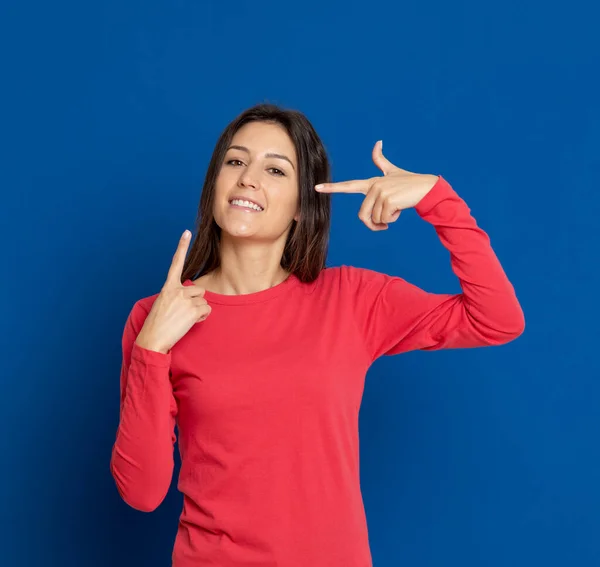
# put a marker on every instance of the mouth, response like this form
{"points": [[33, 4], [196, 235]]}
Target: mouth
{"points": [[246, 205]]}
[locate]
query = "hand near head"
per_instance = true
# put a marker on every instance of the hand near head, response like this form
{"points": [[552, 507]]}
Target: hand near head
{"points": [[176, 309], [387, 196]]}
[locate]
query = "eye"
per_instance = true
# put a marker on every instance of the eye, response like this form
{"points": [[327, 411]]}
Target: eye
{"points": [[278, 172], [230, 162]]}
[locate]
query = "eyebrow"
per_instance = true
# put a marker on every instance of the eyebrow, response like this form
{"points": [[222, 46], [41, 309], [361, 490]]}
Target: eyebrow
{"points": [[270, 155]]}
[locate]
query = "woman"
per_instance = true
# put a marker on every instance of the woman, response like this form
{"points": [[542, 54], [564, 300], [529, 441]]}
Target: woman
{"points": [[260, 360]]}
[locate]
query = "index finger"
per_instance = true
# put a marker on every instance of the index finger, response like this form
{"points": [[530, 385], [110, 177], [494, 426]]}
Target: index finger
{"points": [[176, 269], [354, 186]]}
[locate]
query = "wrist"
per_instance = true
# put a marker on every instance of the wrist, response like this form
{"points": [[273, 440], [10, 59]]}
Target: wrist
{"points": [[149, 345], [429, 181], [435, 195]]}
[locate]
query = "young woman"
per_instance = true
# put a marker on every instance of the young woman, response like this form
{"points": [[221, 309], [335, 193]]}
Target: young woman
{"points": [[257, 351]]}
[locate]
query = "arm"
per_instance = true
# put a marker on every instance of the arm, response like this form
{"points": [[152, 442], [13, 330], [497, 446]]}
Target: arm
{"points": [[396, 316], [142, 456]]}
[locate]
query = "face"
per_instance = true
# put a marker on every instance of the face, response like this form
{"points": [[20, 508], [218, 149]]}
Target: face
{"points": [[260, 167]]}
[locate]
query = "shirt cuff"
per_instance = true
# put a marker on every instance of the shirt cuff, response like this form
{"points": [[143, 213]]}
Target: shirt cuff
{"points": [[440, 191], [150, 357]]}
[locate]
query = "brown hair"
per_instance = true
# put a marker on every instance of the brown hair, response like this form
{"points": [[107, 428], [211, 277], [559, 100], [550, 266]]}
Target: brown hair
{"points": [[306, 246]]}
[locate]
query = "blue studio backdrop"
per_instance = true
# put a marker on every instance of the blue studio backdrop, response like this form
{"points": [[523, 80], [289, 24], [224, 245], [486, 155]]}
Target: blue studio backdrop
{"points": [[484, 457]]}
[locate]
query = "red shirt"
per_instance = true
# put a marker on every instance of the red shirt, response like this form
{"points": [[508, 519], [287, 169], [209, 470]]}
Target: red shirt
{"points": [[266, 393]]}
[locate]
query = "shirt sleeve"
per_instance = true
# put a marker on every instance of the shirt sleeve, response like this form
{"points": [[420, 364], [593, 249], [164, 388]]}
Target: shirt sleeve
{"points": [[142, 456], [395, 316]]}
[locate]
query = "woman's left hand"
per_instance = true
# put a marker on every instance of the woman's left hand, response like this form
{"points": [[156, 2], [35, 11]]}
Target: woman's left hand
{"points": [[386, 196]]}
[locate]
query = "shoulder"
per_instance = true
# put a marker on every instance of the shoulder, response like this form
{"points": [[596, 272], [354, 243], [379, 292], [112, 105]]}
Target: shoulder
{"points": [[347, 278], [353, 273]]}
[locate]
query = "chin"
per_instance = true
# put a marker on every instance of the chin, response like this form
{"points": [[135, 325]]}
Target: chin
{"points": [[238, 229]]}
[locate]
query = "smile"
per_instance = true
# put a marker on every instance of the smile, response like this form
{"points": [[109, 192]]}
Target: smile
{"points": [[245, 205]]}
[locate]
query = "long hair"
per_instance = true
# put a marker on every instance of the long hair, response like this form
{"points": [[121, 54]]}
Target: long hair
{"points": [[307, 242]]}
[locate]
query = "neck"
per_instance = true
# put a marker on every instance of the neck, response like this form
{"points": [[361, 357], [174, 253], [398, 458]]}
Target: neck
{"points": [[247, 267]]}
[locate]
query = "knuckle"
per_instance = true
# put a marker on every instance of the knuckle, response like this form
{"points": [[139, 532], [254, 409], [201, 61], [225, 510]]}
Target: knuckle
{"points": [[166, 291]]}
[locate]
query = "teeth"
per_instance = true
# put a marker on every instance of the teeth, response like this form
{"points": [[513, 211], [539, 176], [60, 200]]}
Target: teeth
{"points": [[246, 204]]}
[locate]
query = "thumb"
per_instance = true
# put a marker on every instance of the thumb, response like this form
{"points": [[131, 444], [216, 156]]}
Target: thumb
{"points": [[380, 160]]}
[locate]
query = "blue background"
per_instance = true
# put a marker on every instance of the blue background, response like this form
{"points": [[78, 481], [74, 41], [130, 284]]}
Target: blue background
{"points": [[109, 113]]}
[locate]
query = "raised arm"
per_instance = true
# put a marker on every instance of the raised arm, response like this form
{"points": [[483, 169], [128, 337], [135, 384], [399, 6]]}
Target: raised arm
{"points": [[142, 457], [396, 316]]}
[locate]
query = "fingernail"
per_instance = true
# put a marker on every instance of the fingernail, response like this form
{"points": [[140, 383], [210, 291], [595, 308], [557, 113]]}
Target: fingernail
{"points": [[319, 186], [186, 234]]}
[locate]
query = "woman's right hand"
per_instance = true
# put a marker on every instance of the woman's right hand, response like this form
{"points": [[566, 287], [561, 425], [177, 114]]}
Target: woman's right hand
{"points": [[176, 309]]}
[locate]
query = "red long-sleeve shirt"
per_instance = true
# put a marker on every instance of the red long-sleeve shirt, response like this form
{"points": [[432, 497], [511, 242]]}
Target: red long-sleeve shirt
{"points": [[266, 394]]}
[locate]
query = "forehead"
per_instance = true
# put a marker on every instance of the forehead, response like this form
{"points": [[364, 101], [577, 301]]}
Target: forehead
{"points": [[264, 137]]}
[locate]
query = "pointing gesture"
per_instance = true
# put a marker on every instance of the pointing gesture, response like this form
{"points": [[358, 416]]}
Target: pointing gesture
{"points": [[176, 309], [386, 196], [176, 269]]}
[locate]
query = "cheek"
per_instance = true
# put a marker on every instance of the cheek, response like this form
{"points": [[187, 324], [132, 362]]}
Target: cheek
{"points": [[220, 191], [221, 184], [288, 199], [283, 210], [294, 204]]}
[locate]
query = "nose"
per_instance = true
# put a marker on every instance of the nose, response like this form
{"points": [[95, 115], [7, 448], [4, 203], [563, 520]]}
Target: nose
{"points": [[247, 179]]}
